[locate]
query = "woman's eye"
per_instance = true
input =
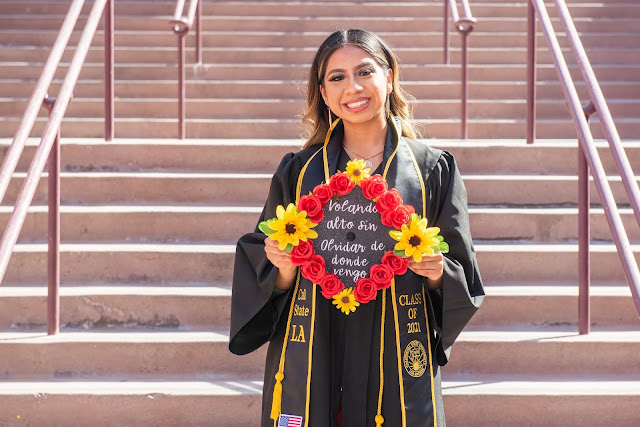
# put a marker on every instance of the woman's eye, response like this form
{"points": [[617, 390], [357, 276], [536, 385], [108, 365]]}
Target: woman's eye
{"points": [[366, 72], [335, 78]]}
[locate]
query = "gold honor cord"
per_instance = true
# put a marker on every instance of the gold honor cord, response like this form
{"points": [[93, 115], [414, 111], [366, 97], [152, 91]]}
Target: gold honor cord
{"points": [[276, 403], [379, 418], [400, 380]]}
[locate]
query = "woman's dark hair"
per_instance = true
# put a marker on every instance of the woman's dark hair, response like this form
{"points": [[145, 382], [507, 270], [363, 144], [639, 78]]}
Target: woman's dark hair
{"points": [[316, 117]]}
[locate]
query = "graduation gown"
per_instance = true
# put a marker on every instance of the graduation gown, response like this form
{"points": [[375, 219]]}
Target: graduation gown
{"points": [[345, 371]]}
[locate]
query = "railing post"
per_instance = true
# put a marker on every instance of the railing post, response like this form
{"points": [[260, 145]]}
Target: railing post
{"points": [[108, 72], [199, 33], [465, 83], [531, 73], [584, 237], [53, 254], [446, 32], [181, 88]]}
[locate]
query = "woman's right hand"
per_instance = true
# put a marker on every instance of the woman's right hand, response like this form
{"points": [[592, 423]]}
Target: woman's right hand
{"points": [[282, 261]]}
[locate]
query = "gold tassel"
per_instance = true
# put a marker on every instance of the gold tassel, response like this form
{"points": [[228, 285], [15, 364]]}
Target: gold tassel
{"points": [[277, 396], [379, 419]]}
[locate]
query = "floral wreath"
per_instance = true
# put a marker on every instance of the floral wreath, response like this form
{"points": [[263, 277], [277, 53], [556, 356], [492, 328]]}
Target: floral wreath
{"points": [[293, 230]]}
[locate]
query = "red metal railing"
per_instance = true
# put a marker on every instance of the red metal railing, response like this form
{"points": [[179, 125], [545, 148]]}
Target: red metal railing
{"points": [[464, 25], [588, 154], [181, 27], [49, 148]]}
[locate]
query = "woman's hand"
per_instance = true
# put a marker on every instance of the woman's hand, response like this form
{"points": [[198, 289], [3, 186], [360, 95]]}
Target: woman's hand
{"points": [[431, 267], [282, 261]]}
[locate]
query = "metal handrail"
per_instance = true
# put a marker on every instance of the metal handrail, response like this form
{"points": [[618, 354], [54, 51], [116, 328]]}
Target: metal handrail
{"points": [[181, 27], [589, 153], [48, 149], [465, 26]]}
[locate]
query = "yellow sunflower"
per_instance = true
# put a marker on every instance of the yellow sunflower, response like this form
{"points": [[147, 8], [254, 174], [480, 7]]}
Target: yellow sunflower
{"points": [[357, 171], [346, 301], [290, 227], [416, 239]]}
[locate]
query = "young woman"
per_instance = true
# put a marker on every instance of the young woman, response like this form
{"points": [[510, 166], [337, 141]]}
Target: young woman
{"points": [[380, 364]]}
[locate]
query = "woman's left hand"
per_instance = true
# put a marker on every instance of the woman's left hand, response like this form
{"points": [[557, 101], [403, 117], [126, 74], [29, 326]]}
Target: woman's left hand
{"points": [[431, 267]]}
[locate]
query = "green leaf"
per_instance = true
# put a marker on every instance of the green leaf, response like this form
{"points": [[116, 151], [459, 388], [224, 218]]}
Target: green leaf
{"points": [[289, 248], [444, 247], [398, 252], [416, 217], [440, 238], [264, 227]]}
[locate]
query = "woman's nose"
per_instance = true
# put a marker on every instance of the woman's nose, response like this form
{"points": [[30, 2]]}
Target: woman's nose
{"points": [[354, 86]]}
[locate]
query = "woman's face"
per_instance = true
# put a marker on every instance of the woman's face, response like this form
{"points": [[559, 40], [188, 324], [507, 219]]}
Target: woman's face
{"points": [[356, 86]]}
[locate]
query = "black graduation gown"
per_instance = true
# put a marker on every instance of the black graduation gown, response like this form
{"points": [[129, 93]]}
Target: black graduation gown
{"points": [[345, 368]]}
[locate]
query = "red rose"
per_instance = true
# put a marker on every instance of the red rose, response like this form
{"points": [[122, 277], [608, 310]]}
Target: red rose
{"points": [[313, 206], [303, 252], [341, 183], [389, 201], [373, 187], [331, 285], [381, 275], [314, 269], [397, 264], [324, 193], [365, 290], [397, 217]]}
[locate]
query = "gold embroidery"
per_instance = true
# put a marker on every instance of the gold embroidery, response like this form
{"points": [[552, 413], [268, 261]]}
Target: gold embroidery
{"points": [[300, 311], [414, 299], [299, 337], [415, 359]]}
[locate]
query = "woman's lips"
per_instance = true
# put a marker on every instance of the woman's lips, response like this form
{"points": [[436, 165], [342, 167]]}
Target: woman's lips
{"points": [[357, 105]]}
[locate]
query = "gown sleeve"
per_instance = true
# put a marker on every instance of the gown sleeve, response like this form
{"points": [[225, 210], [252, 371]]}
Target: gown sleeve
{"points": [[256, 305], [462, 291]]}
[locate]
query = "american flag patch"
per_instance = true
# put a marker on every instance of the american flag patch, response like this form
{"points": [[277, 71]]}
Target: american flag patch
{"points": [[289, 421]]}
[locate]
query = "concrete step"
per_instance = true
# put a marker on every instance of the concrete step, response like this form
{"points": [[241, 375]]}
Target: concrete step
{"points": [[110, 306], [183, 224], [194, 400], [285, 108], [554, 305], [521, 352], [255, 90], [288, 23], [569, 401], [94, 354], [205, 308], [283, 55], [298, 72], [171, 264], [291, 128], [576, 400], [325, 24], [312, 8], [69, 353], [545, 157], [251, 189], [251, 38]]}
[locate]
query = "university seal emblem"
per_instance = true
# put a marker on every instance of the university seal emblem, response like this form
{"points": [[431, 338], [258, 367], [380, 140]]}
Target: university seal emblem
{"points": [[415, 359]]}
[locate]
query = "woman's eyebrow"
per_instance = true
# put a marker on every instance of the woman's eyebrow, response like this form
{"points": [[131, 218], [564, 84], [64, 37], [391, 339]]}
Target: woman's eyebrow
{"points": [[357, 67]]}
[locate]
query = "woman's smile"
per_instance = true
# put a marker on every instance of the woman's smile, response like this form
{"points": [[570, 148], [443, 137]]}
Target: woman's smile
{"points": [[357, 105]]}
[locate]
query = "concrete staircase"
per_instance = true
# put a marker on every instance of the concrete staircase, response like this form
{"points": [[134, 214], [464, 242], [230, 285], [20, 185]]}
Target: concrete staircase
{"points": [[149, 225], [256, 54]]}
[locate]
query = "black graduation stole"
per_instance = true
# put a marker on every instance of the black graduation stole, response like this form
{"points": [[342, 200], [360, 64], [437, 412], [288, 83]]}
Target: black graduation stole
{"points": [[407, 315]]}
